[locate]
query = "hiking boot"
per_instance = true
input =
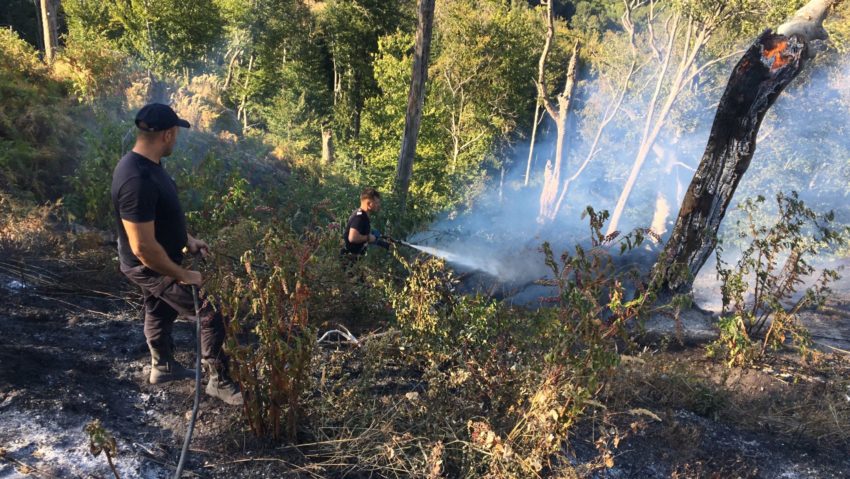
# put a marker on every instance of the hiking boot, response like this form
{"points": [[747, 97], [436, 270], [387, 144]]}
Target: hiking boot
{"points": [[221, 386], [164, 368]]}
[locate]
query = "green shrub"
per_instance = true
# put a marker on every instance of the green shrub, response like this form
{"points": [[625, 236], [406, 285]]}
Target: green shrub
{"points": [[89, 199], [760, 311], [270, 337], [93, 66]]}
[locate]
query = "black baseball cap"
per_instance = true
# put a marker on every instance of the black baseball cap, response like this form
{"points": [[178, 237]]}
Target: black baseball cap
{"points": [[158, 117]]}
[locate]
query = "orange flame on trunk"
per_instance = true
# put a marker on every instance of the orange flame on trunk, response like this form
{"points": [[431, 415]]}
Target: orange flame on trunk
{"points": [[772, 55]]}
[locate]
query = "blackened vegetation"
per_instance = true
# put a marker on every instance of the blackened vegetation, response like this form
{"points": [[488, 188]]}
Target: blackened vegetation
{"points": [[764, 71]]}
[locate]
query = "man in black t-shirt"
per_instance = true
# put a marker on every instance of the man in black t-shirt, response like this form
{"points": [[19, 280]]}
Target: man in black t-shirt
{"points": [[358, 233], [151, 237]]}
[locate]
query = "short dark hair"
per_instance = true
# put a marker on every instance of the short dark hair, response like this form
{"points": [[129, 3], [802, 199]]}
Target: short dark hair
{"points": [[148, 135], [370, 194]]}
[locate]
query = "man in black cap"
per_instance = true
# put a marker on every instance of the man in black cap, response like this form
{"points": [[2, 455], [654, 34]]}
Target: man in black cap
{"points": [[151, 237]]}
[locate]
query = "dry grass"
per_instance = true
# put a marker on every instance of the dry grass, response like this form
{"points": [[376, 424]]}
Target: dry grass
{"points": [[802, 403], [27, 228]]}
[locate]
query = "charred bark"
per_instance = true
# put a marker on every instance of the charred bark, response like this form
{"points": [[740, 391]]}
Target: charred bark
{"points": [[764, 71]]}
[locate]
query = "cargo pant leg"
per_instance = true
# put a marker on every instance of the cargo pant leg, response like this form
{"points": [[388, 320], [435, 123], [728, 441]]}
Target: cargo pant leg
{"points": [[168, 298], [159, 321]]}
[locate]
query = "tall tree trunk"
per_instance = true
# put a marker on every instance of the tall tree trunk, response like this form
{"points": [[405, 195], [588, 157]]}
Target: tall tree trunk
{"points": [[415, 100], [552, 172], [758, 79], [610, 111], [229, 77], [38, 18], [531, 143], [242, 112], [48, 25]]}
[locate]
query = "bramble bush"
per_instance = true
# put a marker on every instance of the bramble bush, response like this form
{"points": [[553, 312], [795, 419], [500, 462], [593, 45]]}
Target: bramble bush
{"points": [[761, 292]]}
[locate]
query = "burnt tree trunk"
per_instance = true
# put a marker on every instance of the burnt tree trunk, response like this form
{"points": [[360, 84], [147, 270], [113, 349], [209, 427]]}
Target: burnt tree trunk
{"points": [[764, 71], [415, 100]]}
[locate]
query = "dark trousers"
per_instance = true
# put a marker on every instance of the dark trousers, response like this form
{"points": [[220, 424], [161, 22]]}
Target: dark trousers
{"points": [[164, 300]]}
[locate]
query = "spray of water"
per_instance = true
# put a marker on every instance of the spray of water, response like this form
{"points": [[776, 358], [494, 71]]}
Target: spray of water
{"points": [[490, 266]]}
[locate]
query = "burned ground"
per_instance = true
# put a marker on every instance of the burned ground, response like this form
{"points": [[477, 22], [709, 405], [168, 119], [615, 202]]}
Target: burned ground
{"points": [[66, 359]]}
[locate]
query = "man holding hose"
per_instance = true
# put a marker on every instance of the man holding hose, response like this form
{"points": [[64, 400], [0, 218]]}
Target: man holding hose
{"points": [[358, 233], [151, 238]]}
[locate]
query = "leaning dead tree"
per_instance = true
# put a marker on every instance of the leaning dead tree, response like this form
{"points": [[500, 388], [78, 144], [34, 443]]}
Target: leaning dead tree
{"points": [[560, 114], [767, 67], [415, 100]]}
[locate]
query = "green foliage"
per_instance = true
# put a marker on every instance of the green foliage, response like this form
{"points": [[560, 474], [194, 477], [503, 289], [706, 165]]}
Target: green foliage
{"points": [[101, 440], [593, 309], [351, 31], [293, 124], [89, 198], [272, 60], [760, 290], [270, 337], [440, 322], [35, 128], [92, 64], [474, 102], [167, 36]]}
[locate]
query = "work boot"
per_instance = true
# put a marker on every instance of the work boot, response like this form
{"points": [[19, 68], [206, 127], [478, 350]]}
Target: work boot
{"points": [[221, 386], [164, 368]]}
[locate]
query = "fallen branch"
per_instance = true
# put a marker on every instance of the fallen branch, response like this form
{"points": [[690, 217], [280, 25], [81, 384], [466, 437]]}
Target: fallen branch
{"points": [[345, 333]]}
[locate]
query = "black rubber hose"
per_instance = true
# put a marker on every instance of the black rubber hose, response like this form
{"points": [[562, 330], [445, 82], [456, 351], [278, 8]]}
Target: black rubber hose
{"points": [[188, 439]]}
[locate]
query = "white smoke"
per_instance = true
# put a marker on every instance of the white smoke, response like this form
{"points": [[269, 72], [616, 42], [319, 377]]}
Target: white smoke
{"points": [[804, 146]]}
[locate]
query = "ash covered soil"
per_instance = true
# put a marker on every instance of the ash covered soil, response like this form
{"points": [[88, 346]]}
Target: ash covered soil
{"points": [[71, 355]]}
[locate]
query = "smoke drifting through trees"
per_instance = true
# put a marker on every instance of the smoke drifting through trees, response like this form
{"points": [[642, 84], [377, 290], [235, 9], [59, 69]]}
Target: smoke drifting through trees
{"points": [[803, 146]]}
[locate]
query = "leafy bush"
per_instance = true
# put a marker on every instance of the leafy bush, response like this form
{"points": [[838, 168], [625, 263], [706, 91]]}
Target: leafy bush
{"points": [[293, 281], [270, 337], [761, 290], [89, 199], [93, 65], [439, 321], [35, 129]]}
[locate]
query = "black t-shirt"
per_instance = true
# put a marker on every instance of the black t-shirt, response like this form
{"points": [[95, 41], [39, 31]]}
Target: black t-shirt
{"points": [[359, 220], [141, 192]]}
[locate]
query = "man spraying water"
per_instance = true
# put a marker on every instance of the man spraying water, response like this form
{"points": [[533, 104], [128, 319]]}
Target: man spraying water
{"points": [[358, 233]]}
